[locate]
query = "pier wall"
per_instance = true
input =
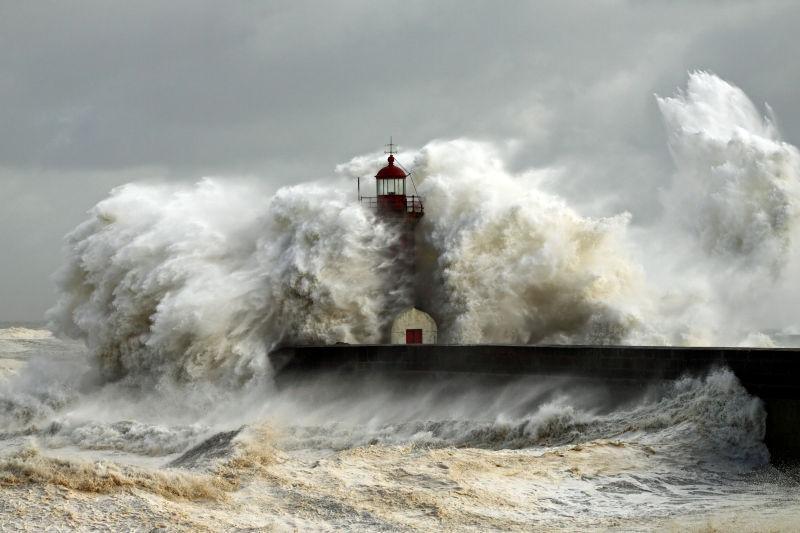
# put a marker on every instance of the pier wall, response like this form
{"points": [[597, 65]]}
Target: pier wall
{"points": [[771, 374]]}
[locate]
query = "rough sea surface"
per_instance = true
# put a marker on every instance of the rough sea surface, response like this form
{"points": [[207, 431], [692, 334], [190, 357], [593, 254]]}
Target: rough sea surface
{"points": [[532, 455]]}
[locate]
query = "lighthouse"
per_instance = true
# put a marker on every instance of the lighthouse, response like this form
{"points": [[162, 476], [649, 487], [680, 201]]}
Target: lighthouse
{"points": [[395, 206]]}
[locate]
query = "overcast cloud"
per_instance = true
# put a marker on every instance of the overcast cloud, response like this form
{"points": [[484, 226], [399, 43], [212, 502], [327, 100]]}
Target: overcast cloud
{"points": [[96, 94]]}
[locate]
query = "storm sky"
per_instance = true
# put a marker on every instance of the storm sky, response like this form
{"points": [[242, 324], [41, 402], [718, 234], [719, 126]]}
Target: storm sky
{"points": [[97, 94]]}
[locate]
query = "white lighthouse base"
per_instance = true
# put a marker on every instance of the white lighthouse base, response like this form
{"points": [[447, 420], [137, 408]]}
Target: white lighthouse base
{"points": [[413, 326]]}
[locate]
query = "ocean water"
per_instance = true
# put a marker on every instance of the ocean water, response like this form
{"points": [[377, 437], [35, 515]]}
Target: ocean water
{"points": [[329, 454]]}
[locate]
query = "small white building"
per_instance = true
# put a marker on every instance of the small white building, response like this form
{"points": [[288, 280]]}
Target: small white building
{"points": [[413, 326]]}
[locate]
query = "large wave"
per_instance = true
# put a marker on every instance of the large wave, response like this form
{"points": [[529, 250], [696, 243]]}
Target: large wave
{"points": [[503, 261], [729, 232], [199, 282], [736, 188]]}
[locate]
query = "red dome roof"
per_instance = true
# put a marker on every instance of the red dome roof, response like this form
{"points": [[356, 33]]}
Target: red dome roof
{"points": [[390, 171]]}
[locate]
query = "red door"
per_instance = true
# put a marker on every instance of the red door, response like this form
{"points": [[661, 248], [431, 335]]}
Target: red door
{"points": [[413, 336]]}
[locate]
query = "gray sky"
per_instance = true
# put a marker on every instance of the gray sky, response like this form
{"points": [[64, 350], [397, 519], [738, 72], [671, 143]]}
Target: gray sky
{"points": [[94, 94]]}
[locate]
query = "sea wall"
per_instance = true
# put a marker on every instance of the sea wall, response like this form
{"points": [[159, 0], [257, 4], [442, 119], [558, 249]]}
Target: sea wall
{"points": [[769, 373]]}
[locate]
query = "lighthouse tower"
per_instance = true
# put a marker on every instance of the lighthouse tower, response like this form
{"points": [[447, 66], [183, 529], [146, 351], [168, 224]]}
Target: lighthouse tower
{"points": [[395, 206]]}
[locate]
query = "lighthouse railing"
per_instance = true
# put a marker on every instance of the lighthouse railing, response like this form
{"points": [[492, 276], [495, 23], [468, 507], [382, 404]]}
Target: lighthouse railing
{"points": [[413, 204]]}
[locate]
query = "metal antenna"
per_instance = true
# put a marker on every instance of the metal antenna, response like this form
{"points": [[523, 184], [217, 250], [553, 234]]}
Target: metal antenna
{"points": [[409, 176], [392, 147]]}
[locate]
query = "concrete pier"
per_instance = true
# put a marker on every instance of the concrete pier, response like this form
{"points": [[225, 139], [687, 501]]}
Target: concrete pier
{"points": [[772, 374]]}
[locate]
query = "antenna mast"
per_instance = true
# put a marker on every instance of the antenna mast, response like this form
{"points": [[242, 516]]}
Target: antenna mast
{"points": [[392, 148]]}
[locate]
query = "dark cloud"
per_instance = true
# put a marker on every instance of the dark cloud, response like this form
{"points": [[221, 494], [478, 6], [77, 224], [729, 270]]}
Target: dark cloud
{"points": [[94, 94]]}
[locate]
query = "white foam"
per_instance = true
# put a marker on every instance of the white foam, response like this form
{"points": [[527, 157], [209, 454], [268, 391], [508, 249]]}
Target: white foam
{"points": [[20, 333]]}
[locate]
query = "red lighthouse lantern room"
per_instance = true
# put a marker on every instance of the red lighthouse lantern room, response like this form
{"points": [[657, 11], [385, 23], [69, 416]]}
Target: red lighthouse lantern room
{"points": [[391, 198]]}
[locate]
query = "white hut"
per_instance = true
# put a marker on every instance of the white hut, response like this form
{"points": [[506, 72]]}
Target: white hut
{"points": [[413, 326]]}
